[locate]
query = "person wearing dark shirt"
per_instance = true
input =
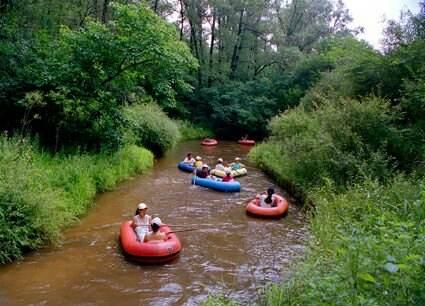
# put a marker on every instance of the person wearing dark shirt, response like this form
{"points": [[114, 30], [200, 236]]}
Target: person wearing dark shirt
{"points": [[204, 172]]}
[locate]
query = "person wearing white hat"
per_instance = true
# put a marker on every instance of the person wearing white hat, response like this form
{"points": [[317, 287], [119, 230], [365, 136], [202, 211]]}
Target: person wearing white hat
{"points": [[141, 221], [155, 234], [220, 165], [237, 164]]}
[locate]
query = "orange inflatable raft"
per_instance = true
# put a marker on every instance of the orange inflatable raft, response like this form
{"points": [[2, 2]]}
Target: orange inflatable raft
{"points": [[152, 252], [246, 142], [209, 142], [268, 212]]}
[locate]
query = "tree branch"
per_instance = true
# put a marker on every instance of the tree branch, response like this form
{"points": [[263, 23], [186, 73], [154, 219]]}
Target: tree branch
{"points": [[123, 69]]}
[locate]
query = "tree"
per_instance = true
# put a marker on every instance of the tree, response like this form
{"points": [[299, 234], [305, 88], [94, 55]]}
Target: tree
{"points": [[85, 76]]}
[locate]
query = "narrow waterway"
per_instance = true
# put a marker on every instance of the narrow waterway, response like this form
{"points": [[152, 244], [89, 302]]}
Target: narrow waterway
{"points": [[231, 253]]}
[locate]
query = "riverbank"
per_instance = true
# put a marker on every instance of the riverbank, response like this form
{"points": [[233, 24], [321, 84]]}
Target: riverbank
{"points": [[366, 246], [367, 222], [40, 193]]}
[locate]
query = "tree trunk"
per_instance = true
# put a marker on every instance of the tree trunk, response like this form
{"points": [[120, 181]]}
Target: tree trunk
{"points": [[220, 41], [155, 6], [95, 10], [181, 19], [4, 5], [105, 10], [200, 33], [192, 15], [210, 65], [237, 47]]}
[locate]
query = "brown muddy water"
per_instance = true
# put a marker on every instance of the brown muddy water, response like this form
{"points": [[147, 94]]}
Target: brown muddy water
{"points": [[230, 253]]}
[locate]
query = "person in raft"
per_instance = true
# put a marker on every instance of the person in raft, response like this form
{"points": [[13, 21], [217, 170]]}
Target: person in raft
{"points": [[204, 172], [267, 199], [237, 164], [198, 162], [189, 159], [141, 221], [227, 177], [220, 165], [155, 234]]}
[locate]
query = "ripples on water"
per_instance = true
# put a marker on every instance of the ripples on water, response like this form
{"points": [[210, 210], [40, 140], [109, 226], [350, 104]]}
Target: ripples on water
{"points": [[228, 253]]}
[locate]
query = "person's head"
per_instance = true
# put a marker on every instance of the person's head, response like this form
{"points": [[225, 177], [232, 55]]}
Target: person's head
{"points": [[205, 167], [237, 159], [189, 155], [220, 160], [198, 158], [228, 172], [270, 191], [141, 209], [155, 224]]}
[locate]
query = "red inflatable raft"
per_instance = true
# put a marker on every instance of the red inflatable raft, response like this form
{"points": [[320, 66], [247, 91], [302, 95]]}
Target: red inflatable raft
{"points": [[246, 142], [268, 212], [209, 142], [152, 252]]}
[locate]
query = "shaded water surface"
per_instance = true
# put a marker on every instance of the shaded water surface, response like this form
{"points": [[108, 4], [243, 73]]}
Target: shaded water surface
{"points": [[229, 253]]}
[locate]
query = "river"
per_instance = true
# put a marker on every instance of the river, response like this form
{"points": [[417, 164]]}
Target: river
{"points": [[229, 253]]}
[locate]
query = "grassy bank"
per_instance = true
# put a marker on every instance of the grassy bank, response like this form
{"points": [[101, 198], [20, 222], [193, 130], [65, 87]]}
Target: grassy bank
{"points": [[190, 131], [40, 193], [367, 248], [367, 227]]}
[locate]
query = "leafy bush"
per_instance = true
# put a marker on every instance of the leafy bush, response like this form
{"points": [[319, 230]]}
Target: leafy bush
{"points": [[69, 88], [190, 131], [148, 125], [40, 194], [235, 108], [344, 140]]}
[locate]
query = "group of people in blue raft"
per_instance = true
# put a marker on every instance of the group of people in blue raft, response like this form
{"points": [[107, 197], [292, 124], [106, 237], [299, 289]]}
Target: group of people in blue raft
{"points": [[220, 178], [202, 170]]}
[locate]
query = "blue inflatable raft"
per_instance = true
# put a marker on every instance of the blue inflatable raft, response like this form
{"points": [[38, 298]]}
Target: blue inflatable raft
{"points": [[185, 167], [233, 186]]}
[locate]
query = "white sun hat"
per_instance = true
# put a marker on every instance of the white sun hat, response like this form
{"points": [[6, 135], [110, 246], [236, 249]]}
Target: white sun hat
{"points": [[156, 221], [142, 206]]}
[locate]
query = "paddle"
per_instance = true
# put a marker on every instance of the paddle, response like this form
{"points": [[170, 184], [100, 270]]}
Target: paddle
{"points": [[181, 231]]}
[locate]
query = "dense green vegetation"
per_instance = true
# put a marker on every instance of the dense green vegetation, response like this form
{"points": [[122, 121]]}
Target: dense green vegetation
{"points": [[93, 81], [189, 131], [92, 88], [344, 149], [41, 193], [367, 249], [70, 87]]}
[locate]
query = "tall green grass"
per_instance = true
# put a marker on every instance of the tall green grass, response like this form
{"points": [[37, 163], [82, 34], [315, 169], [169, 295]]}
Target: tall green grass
{"points": [[147, 125], [190, 131], [40, 194], [368, 248]]}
